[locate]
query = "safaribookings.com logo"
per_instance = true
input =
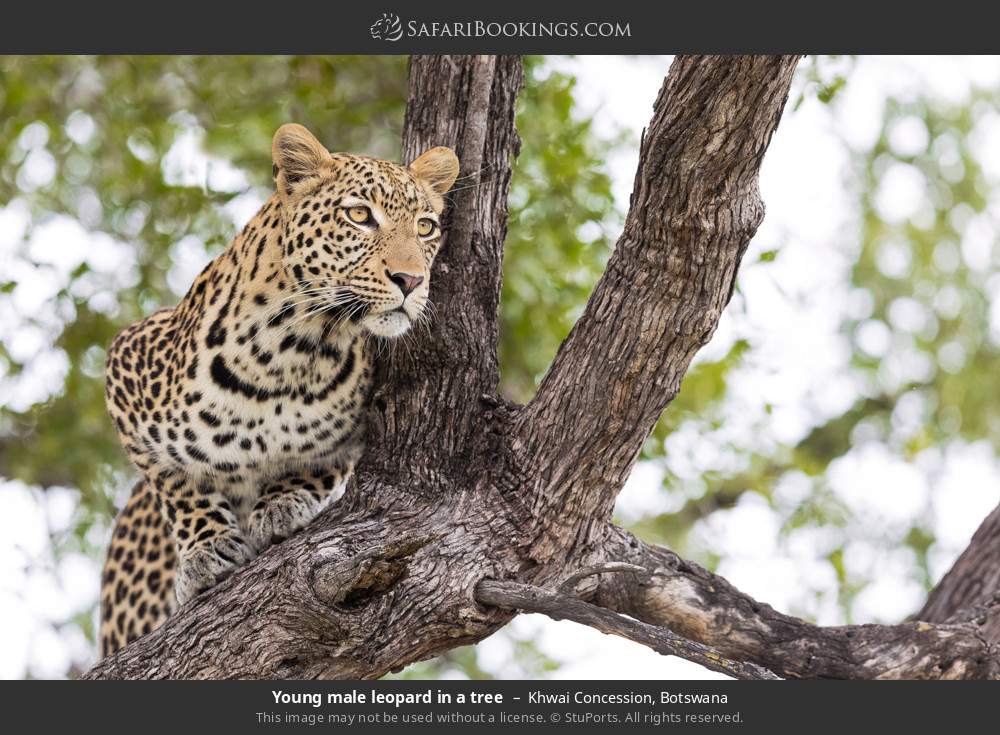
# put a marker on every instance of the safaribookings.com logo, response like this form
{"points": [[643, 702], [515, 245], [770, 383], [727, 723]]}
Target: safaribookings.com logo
{"points": [[387, 28], [390, 28]]}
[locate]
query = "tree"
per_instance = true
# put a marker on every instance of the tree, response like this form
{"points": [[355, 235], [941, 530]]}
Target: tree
{"points": [[467, 508]]}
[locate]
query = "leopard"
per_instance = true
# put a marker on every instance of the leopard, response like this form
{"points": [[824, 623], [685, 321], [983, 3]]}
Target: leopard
{"points": [[243, 407]]}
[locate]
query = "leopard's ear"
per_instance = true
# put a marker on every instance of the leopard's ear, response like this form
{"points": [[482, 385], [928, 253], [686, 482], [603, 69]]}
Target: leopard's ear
{"points": [[297, 156], [437, 169]]}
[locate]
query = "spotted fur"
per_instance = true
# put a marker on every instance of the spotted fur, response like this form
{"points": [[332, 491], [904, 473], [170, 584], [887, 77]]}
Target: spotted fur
{"points": [[242, 406]]}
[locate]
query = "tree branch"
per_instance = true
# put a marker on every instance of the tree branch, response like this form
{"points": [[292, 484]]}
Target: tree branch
{"points": [[972, 582], [695, 206], [704, 607], [466, 103], [299, 611], [559, 606]]}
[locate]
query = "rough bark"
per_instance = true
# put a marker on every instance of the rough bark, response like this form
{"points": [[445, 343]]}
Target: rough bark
{"points": [[704, 607], [563, 606], [971, 588], [695, 205], [466, 507]]}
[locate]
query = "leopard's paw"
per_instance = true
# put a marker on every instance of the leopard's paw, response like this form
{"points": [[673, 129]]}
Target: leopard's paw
{"points": [[276, 518], [209, 562]]}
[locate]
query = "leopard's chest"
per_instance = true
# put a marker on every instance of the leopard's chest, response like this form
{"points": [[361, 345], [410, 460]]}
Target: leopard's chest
{"points": [[253, 423]]}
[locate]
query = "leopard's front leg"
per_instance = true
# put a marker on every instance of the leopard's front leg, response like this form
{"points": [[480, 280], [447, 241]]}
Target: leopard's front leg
{"points": [[205, 528]]}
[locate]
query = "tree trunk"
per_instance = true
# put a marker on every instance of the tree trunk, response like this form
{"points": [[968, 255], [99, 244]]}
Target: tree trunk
{"points": [[466, 508]]}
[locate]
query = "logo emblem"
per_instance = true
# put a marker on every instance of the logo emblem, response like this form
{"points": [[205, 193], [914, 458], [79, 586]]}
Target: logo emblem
{"points": [[387, 28]]}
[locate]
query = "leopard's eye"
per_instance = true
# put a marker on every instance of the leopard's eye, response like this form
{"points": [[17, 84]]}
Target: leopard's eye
{"points": [[360, 215], [426, 227]]}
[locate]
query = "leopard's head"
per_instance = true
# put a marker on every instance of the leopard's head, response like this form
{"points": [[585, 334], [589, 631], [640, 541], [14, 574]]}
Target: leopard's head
{"points": [[360, 233]]}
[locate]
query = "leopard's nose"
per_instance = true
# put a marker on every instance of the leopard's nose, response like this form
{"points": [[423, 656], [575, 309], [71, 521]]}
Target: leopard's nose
{"points": [[407, 282]]}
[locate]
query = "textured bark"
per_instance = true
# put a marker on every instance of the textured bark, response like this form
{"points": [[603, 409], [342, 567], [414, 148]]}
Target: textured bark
{"points": [[971, 588], [704, 607], [566, 607], [695, 205], [466, 507]]}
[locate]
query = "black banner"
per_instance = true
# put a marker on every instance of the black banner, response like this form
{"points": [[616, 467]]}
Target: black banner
{"points": [[447, 26], [502, 706]]}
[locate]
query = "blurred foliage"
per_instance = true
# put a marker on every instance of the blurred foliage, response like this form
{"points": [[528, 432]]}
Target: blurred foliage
{"points": [[822, 77], [562, 226], [155, 161], [924, 330]]}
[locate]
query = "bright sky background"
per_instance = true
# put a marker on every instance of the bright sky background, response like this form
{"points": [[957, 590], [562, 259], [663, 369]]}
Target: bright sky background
{"points": [[799, 368]]}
